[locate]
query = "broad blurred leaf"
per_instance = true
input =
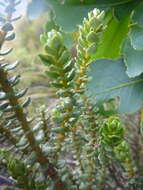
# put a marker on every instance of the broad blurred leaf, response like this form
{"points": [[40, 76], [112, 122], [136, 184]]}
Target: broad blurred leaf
{"points": [[133, 59], [112, 39], [138, 15], [69, 16], [136, 36], [103, 3], [36, 8], [109, 80], [123, 10]]}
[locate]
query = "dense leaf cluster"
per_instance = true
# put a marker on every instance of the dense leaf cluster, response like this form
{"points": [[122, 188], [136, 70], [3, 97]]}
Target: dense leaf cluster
{"points": [[74, 147], [121, 39]]}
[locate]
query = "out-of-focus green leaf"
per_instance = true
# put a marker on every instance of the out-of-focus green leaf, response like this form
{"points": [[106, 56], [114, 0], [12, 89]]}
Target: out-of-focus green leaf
{"points": [[112, 39], [123, 10], [138, 15], [109, 80], [69, 16], [136, 36], [133, 59], [103, 3]]}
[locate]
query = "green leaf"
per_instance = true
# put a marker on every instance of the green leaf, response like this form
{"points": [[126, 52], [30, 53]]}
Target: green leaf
{"points": [[136, 36], [112, 39], [10, 37], [109, 80], [69, 16], [123, 10], [138, 15], [133, 59], [103, 3]]}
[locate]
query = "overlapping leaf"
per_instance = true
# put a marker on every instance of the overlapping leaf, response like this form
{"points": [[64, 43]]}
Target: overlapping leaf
{"points": [[112, 39], [133, 59], [109, 80]]}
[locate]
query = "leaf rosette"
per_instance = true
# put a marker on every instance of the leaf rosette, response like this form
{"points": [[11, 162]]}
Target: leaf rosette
{"points": [[112, 131]]}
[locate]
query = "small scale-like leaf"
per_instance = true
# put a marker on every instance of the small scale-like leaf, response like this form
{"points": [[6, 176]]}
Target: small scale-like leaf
{"points": [[3, 96], [64, 57], [46, 59], [26, 102], [8, 124], [8, 109], [15, 18], [58, 130], [11, 117], [10, 9], [56, 85], [10, 37], [6, 52], [11, 66], [16, 129], [40, 136], [17, 3], [53, 75], [36, 127], [22, 141], [7, 27], [68, 67], [71, 75], [14, 80], [21, 93], [3, 105]]}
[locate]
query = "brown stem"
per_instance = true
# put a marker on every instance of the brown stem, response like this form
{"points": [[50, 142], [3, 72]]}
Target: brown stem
{"points": [[45, 125], [21, 117]]}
